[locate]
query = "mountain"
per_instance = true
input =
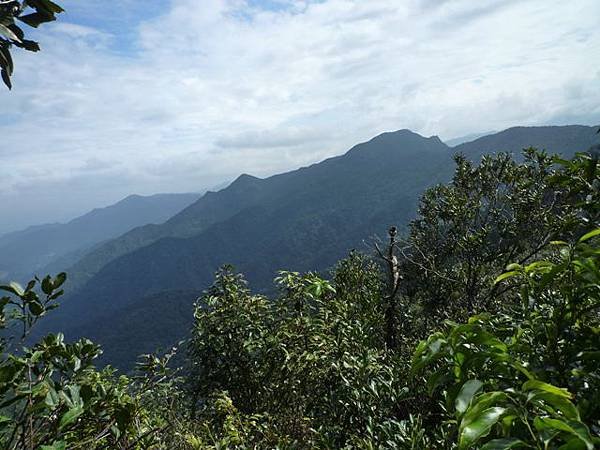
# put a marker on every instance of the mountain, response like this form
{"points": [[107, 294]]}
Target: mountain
{"points": [[563, 139], [55, 247], [467, 138], [302, 220]]}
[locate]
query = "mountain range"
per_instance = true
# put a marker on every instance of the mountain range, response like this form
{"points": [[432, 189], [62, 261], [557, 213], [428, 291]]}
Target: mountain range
{"points": [[55, 247], [134, 293]]}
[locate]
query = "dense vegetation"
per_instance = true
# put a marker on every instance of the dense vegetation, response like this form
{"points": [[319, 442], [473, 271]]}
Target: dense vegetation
{"points": [[477, 328], [306, 219]]}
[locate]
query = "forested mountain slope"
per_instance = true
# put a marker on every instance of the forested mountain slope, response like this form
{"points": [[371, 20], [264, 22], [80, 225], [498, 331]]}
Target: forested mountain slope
{"points": [[565, 140], [302, 220], [57, 246]]}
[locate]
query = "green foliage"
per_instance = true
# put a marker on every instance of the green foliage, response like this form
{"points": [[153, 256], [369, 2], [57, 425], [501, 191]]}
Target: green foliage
{"points": [[310, 364], [311, 369], [302, 220], [492, 214], [32, 13], [52, 396], [514, 246], [528, 377]]}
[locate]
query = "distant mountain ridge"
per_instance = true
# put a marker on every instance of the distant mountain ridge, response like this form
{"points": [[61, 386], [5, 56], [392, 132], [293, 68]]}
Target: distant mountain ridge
{"points": [[57, 246], [300, 220]]}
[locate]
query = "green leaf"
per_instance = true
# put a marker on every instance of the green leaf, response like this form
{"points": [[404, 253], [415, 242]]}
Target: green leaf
{"points": [[70, 416], [590, 235], [5, 419], [36, 308], [55, 446], [576, 429], [503, 444], [59, 280], [505, 275], [573, 444], [479, 426], [427, 351], [538, 265], [47, 285], [438, 378], [464, 397], [551, 401], [52, 399], [536, 384]]}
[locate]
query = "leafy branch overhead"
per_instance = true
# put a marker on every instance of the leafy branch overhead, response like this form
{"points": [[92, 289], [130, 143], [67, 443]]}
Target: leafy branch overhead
{"points": [[30, 12]]}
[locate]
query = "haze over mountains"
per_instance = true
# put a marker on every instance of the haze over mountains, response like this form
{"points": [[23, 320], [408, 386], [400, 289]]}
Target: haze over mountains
{"points": [[134, 293], [55, 247]]}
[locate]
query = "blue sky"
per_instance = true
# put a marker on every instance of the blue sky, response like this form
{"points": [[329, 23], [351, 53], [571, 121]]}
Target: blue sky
{"points": [[171, 96]]}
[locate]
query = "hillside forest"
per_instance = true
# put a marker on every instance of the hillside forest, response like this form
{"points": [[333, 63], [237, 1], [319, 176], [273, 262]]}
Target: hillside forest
{"points": [[476, 327]]}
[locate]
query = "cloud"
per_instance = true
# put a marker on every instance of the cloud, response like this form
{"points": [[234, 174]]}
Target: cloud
{"points": [[181, 95], [265, 139]]}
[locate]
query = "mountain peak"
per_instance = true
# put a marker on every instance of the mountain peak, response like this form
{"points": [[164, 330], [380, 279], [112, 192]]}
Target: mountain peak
{"points": [[244, 179], [398, 141]]}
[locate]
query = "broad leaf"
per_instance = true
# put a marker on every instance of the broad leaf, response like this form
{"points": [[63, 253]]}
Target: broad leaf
{"points": [[479, 427], [464, 397]]}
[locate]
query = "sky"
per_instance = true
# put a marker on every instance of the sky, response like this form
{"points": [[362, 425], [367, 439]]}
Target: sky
{"points": [[178, 96]]}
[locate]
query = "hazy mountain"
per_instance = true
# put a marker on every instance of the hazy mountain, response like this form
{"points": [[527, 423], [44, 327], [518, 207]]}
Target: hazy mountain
{"points": [[468, 138], [301, 220], [564, 139], [57, 246]]}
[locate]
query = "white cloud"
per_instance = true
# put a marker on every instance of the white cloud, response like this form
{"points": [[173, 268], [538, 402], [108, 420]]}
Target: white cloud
{"points": [[210, 89]]}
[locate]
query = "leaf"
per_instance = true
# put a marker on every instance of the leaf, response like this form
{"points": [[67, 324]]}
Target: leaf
{"points": [[505, 275], [590, 235], [5, 419], [536, 384], [503, 444], [479, 427], [8, 33], [556, 402], [47, 285], [14, 288], [36, 19], [36, 308], [427, 351], [59, 280], [464, 397], [576, 429], [482, 402], [70, 416], [538, 265], [50, 6], [438, 378], [28, 45], [573, 444], [52, 399], [55, 446], [6, 78], [6, 61]]}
